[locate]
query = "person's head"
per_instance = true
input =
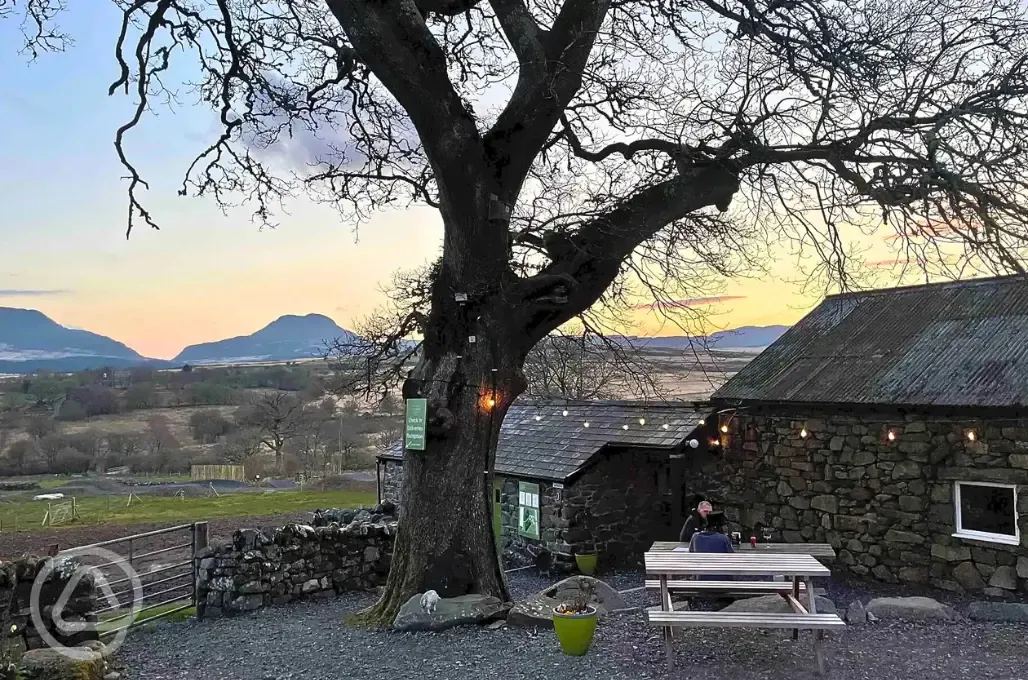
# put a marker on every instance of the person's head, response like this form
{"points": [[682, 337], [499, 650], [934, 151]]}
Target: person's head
{"points": [[704, 509], [716, 522]]}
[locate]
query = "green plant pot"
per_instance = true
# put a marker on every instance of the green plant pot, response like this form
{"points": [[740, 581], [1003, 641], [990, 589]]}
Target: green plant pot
{"points": [[575, 631], [587, 563]]}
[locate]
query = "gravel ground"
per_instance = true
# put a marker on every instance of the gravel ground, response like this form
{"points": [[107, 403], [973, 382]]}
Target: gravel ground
{"points": [[308, 640]]}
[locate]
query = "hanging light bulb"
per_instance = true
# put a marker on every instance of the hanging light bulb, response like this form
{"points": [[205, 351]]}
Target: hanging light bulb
{"points": [[666, 426], [565, 413], [586, 423], [624, 427], [642, 421], [703, 421], [724, 428], [492, 402], [803, 433], [538, 417]]}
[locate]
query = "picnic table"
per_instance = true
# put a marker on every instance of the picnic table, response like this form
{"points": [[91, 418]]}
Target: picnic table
{"points": [[821, 551], [800, 568]]}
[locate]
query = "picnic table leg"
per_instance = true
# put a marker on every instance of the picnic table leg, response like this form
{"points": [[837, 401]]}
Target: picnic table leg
{"points": [[796, 595], [666, 605], [818, 634]]}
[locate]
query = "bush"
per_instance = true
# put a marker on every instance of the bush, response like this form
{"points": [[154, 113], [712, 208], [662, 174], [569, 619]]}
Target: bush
{"points": [[97, 400], [142, 396], [210, 394], [40, 426], [71, 411], [71, 461], [209, 426]]}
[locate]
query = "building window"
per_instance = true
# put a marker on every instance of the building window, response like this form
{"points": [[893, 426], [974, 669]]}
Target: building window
{"points": [[986, 512], [528, 509]]}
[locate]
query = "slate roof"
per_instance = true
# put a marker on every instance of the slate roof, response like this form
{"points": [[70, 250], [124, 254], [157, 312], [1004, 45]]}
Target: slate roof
{"points": [[537, 441], [949, 344]]}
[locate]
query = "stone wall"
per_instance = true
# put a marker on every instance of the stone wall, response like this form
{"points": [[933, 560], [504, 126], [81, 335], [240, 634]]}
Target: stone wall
{"points": [[618, 502], [887, 506], [392, 480], [16, 579], [257, 568]]}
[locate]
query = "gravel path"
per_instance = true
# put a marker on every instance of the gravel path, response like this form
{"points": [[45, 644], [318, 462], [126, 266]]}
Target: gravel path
{"points": [[308, 640]]}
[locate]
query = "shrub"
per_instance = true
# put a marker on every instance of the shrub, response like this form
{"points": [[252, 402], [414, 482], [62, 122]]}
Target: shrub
{"points": [[71, 461], [209, 426], [96, 399], [71, 411]]}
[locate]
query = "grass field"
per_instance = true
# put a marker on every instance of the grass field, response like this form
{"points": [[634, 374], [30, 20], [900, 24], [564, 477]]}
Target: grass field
{"points": [[28, 516]]}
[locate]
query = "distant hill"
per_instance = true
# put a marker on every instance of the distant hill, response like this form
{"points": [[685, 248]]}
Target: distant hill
{"points": [[745, 337], [287, 337], [32, 341]]}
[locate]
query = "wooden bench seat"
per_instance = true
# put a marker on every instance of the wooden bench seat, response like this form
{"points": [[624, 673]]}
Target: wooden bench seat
{"points": [[680, 585], [690, 619]]}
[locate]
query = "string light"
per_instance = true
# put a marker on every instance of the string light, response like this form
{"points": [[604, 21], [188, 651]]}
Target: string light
{"points": [[538, 417], [724, 428], [703, 421], [492, 402], [565, 413], [803, 433], [586, 423], [642, 421], [624, 427], [666, 426]]}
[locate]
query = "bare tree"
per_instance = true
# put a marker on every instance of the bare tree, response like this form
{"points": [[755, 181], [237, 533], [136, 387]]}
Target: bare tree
{"points": [[310, 437], [578, 150], [242, 446], [277, 416]]}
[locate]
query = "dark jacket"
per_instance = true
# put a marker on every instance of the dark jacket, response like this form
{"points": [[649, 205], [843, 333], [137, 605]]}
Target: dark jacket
{"points": [[711, 542], [694, 523]]}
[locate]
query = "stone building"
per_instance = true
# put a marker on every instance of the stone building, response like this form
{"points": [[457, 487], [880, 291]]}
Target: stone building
{"points": [[568, 476], [893, 425]]}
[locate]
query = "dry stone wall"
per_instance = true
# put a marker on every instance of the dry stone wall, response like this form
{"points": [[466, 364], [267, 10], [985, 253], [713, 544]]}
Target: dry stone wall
{"points": [[352, 550], [887, 506], [16, 579]]}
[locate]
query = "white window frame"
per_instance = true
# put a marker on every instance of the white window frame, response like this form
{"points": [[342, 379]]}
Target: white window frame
{"points": [[985, 536], [529, 500]]}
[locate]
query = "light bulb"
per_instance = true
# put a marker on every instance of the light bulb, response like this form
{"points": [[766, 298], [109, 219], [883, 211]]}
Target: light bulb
{"points": [[703, 421], [492, 402], [891, 436], [724, 428], [971, 436], [642, 421], [538, 417], [565, 413], [693, 444], [803, 433], [586, 423], [666, 426], [624, 427]]}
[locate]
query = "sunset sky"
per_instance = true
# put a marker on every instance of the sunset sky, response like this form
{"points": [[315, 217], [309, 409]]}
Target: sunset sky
{"points": [[205, 275]]}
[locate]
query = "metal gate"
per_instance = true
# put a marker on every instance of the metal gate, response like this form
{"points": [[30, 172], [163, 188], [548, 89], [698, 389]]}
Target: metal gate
{"points": [[165, 562]]}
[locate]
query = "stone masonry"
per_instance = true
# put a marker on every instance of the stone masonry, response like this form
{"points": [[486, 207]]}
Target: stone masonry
{"points": [[16, 581], [256, 568], [887, 506]]}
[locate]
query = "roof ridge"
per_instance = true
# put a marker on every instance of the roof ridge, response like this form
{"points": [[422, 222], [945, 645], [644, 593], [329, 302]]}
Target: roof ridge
{"points": [[1006, 278]]}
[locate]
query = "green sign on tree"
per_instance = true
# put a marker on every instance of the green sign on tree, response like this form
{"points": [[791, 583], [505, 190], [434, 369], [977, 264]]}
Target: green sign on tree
{"points": [[417, 417]]}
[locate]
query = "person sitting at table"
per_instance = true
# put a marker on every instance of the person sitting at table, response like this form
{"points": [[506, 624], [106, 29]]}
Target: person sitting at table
{"points": [[712, 540], [697, 519]]}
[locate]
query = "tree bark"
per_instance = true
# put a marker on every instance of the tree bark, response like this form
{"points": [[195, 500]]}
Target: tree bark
{"points": [[445, 541]]}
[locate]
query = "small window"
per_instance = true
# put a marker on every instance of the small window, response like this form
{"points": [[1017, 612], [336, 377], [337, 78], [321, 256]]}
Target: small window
{"points": [[528, 510], [986, 512]]}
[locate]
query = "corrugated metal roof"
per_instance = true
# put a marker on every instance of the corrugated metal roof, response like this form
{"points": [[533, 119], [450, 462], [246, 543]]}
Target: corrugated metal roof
{"points": [[538, 441], [949, 344]]}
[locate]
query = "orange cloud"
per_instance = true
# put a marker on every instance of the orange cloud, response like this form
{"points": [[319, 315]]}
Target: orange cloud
{"points": [[694, 302]]}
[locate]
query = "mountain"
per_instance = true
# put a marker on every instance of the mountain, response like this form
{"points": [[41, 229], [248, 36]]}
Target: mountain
{"points": [[745, 337], [287, 337], [32, 341]]}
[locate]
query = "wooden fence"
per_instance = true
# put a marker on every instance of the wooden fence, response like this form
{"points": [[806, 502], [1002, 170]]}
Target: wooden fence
{"points": [[203, 473]]}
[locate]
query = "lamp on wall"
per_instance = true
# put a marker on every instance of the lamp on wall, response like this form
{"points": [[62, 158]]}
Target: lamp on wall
{"points": [[694, 444], [971, 435], [804, 433], [890, 435]]}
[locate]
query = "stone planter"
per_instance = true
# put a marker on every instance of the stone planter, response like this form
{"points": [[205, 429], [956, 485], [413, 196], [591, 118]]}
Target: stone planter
{"points": [[575, 631]]}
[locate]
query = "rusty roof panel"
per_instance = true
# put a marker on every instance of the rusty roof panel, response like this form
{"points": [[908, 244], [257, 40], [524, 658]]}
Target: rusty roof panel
{"points": [[949, 344]]}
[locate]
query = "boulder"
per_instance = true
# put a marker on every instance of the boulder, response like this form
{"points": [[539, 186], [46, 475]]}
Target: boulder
{"points": [[449, 612], [537, 611], [998, 611], [774, 604], [911, 609], [856, 615], [76, 663], [968, 576], [1004, 577]]}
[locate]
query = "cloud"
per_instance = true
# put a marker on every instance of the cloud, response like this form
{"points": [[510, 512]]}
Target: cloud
{"points": [[28, 292], [694, 302]]}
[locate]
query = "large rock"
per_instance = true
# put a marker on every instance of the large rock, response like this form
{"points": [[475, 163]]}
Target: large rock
{"points": [[911, 609], [538, 610], [968, 576], [449, 612], [1004, 577], [998, 611], [77, 663], [775, 604], [856, 615]]}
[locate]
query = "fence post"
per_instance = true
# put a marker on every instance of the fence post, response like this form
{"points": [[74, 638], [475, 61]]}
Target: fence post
{"points": [[199, 543]]}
